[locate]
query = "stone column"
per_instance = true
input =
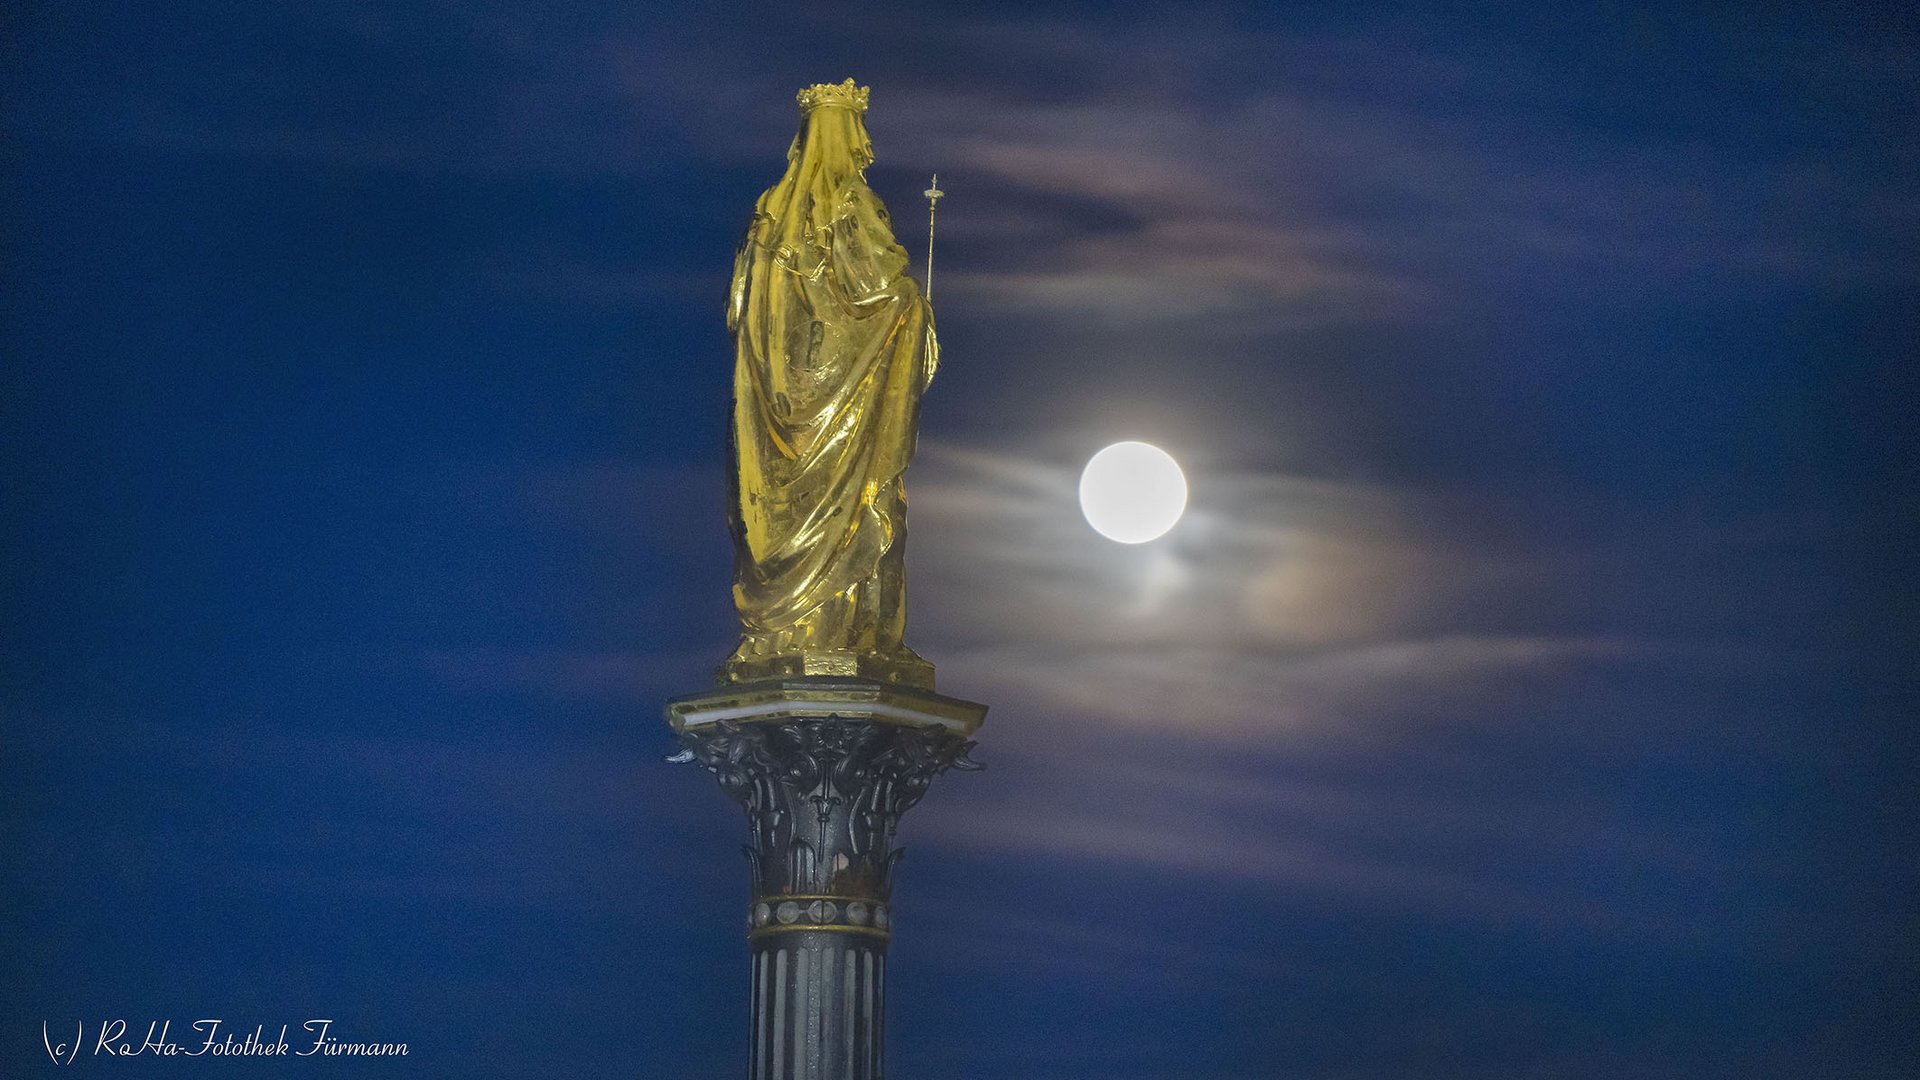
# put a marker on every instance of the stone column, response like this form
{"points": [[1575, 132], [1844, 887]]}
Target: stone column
{"points": [[825, 767]]}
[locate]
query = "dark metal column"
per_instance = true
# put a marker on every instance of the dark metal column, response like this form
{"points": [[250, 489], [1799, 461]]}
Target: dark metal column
{"points": [[823, 795], [818, 1007]]}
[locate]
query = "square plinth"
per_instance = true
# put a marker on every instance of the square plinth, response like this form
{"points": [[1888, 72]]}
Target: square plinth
{"points": [[823, 696]]}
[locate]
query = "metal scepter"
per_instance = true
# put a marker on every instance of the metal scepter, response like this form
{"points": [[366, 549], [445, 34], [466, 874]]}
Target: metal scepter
{"points": [[933, 204]]}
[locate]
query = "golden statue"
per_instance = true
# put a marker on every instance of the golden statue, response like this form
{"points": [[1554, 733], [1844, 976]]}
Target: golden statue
{"points": [[833, 345]]}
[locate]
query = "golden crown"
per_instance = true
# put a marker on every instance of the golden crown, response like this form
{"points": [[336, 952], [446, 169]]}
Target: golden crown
{"points": [[843, 94]]}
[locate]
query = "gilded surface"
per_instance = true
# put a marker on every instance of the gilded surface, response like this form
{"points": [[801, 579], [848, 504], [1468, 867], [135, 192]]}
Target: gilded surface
{"points": [[833, 346]]}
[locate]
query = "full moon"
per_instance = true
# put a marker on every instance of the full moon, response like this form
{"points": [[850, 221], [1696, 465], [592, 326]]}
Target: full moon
{"points": [[1132, 492]]}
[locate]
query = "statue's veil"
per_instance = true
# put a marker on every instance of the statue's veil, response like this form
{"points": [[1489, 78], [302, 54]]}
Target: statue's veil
{"points": [[830, 152]]}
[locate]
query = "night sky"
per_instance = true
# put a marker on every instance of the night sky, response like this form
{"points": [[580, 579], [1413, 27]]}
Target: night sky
{"points": [[1522, 696]]}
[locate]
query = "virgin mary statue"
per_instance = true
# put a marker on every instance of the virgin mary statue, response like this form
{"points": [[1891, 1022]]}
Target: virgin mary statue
{"points": [[833, 345]]}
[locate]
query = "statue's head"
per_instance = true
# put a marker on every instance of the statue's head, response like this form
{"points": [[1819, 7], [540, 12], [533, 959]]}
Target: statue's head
{"points": [[833, 134]]}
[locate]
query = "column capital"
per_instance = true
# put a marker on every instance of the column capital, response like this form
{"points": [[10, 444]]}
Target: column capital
{"points": [[824, 769]]}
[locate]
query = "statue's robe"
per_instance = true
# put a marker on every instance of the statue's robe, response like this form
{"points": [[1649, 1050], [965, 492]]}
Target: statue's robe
{"points": [[833, 348]]}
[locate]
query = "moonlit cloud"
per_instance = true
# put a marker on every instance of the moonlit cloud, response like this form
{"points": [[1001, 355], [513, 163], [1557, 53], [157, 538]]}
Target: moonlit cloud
{"points": [[1262, 561]]}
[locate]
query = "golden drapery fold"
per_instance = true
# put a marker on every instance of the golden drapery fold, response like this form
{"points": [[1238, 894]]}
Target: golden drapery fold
{"points": [[833, 346]]}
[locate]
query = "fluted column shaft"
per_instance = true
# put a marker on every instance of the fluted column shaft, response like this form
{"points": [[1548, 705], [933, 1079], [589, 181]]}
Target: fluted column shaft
{"points": [[818, 1007]]}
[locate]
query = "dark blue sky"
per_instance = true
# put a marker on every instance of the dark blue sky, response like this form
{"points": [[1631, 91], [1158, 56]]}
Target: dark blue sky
{"points": [[1520, 698]]}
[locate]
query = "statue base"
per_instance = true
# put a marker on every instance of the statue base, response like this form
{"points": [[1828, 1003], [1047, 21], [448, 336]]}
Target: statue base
{"points": [[907, 669], [824, 767], [820, 696]]}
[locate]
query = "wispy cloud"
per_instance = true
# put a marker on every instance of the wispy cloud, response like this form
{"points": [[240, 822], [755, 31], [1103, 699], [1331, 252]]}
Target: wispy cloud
{"points": [[1280, 604], [1248, 183]]}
